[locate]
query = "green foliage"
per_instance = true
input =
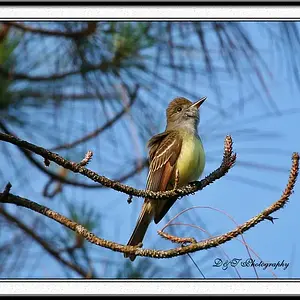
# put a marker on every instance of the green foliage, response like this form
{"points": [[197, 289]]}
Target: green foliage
{"points": [[7, 62], [7, 47], [128, 41]]}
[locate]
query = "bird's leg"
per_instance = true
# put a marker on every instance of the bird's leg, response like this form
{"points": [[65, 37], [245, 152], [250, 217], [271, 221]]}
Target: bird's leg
{"points": [[176, 179]]}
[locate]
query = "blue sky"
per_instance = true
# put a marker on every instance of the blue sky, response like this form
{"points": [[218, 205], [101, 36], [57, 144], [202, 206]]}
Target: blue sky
{"points": [[272, 242]]}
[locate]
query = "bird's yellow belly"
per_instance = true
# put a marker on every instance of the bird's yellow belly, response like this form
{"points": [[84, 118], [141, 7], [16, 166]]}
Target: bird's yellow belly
{"points": [[191, 161]]}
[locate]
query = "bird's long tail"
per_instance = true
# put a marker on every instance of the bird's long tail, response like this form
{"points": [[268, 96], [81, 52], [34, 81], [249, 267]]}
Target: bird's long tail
{"points": [[141, 226]]}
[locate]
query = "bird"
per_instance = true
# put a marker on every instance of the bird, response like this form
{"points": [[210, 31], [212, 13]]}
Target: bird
{"points": [[176, 158]]}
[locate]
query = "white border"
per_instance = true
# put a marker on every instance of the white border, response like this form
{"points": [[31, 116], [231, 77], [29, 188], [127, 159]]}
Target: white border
{"points": [[187, 287], [203, 287], [132, 12]]}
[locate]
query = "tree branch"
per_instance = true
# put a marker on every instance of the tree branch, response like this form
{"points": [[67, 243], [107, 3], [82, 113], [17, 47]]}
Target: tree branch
{"points": [[64, 180], [98, 131], [41, 167], [90, 29], [228, 161], [103, 67], [60, 97], [193, 247], [40, 240]]}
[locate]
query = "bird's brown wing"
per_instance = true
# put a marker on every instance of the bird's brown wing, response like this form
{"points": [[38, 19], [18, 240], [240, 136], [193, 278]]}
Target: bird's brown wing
{"points": [[163, 153], [155, 142], [164, 150]]}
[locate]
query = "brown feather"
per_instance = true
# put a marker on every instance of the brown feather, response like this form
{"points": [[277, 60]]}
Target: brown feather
{"points": [[154, 143], [164, 150], [141, 227], [161, 205]]}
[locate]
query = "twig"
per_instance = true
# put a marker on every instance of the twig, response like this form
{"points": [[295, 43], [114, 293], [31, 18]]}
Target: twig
{"points": [[63, 179], [57, 189], [87, 158], [47, 162], [63, 173], [103, 67], [6, 191], [204, 231], [40, 166], [129, 200], [176, 239], [90, 29], [271, 219], [62, 97], [98, 131], [40, 240]]}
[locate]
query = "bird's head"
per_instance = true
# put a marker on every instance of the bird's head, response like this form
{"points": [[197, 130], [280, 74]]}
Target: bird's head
{"points": [[181, 112]]}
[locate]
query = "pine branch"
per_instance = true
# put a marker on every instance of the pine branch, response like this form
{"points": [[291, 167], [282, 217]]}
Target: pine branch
{"points": [[90, 29]]}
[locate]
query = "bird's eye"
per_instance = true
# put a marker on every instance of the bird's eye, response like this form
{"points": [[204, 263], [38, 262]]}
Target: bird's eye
{"points": [[179, 109]]}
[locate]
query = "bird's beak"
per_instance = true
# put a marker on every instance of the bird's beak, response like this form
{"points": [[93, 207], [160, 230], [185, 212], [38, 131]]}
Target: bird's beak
{"points": [[198, 103]]}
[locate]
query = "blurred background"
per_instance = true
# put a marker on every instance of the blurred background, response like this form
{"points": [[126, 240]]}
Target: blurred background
{"points": [[104, 86]]}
